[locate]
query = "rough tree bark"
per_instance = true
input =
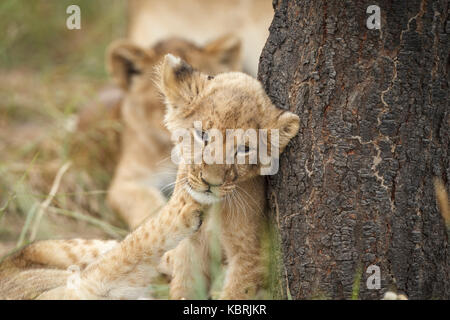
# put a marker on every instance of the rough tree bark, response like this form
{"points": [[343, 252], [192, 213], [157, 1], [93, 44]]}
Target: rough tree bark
{"points": [[355, 187]]}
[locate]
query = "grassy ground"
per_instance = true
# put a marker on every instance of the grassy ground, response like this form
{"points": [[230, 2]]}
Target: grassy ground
{"points": [[47, 74]]}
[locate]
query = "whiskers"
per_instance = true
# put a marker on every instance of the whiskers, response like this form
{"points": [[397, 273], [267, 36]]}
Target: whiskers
{"points": [[239, 201], [254, 202], [168, 186], [181, 181], [234, 198], [164, 163]]}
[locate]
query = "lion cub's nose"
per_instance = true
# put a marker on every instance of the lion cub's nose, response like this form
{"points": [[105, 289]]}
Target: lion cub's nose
{"points": [[211, 180]]}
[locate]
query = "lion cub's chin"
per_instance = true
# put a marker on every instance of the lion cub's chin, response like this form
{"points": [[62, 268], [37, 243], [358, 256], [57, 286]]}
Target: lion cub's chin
{"points": [[203, 197]]}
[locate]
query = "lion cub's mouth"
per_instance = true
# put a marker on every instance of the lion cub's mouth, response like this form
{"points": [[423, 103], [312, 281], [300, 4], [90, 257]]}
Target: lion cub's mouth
{"points": [[203, 197]]}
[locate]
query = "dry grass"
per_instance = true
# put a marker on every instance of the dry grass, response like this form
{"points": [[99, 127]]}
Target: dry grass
{"points": [[47, 74]]}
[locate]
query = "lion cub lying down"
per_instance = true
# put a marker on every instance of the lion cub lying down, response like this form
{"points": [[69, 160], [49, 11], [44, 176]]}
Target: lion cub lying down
{"points": [[115, 271], [234, 192]]}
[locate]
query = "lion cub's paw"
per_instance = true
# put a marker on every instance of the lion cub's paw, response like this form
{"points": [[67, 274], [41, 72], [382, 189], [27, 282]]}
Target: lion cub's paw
{"points": [[193, 219], [189, 213]]}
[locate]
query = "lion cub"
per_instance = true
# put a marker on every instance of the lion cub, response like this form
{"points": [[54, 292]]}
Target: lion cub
{"points": [[231, 193], [56, 269], [144, 173], [233, 190]]}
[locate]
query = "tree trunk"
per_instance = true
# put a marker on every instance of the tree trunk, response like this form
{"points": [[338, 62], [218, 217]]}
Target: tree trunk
{"points": [[355, 187]]}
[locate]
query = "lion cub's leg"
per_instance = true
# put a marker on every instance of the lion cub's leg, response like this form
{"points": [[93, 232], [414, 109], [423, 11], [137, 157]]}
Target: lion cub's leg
{"points": [[133, 201], [242, 230], [64, 253], [44, 265], [18, 284], [189, 267], [245, 270], [127, 269]]}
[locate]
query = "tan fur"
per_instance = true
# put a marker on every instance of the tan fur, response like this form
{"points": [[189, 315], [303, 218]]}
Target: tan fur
{"points": [[65, 253], [98, 127], [201, 21], [227, 101], [122, 271], [43, 265], [144, 167]]}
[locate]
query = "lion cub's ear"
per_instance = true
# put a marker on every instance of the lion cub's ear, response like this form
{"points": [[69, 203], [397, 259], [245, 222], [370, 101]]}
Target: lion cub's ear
{"points": [[226, 51], [125, 60], [288, 124], [179, 82]]}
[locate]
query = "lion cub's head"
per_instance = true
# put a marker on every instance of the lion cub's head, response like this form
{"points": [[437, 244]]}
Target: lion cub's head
{"points": [[133, 68], [136, 102], [225, 126]]}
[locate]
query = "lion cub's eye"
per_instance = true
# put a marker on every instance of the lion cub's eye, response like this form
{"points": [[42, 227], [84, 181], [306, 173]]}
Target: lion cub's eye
{"points": [[202, 136], [243, 149]]}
